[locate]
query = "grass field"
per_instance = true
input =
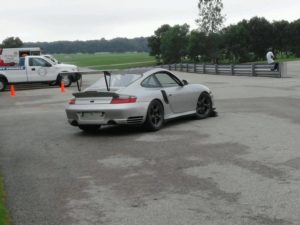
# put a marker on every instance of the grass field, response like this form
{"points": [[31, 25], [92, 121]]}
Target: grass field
{"points": [[4, 219], [106, 61], [102, 61]]}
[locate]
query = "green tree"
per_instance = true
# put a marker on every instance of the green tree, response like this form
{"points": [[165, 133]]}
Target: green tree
{"points": [[154, 42], [294, 31], [236, 39], [92, 46], [12, 42], [260, 36], [214, 47], [281, 36], [174, 43], [196, 45], [210, 18]]}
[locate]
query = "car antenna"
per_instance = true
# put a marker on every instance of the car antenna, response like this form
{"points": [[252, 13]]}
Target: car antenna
{"points": [[107, 74]]}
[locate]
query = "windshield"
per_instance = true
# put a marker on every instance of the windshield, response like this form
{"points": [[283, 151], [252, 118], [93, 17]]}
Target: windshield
{"points": [[53, 60], [117, 81]]}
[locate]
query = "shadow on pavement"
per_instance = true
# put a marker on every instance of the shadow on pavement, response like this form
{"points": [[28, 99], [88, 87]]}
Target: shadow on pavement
{"points": [[116, 130]]}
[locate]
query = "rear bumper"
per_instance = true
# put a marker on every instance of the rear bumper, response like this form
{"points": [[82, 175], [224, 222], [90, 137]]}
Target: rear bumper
{"points": [[134, 113]]}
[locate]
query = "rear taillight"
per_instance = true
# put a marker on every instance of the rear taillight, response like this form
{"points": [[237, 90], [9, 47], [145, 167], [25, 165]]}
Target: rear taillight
{"points": [[123, 100], [72, 101]]}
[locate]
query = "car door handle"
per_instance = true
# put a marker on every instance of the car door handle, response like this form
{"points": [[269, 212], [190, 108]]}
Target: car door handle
{"points": [[170, 95], [33, 69]]}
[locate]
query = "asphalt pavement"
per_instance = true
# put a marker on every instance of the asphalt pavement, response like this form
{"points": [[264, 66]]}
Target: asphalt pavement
{"points": [[240, 168]]}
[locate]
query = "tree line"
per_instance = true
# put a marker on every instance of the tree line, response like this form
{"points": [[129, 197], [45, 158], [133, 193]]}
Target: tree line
{"points": [[92, 46], [246, 41]]}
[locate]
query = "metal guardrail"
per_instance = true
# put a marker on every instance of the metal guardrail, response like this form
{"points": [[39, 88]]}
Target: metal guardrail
{"points": [[260, 70]]}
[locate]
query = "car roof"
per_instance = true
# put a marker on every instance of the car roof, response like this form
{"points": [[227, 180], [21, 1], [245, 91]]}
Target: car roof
{"points": [[143, 71], [155, 70]]}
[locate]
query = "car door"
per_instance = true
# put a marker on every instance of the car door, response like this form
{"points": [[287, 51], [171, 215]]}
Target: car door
{"points": [[179, 95], [39, 69]]}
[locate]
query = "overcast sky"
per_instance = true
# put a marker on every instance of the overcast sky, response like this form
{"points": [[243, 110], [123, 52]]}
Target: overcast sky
{"points": [[50, 20]]}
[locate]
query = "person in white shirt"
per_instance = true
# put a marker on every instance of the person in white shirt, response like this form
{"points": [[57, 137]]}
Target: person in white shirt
{"points": [[270, 59]]}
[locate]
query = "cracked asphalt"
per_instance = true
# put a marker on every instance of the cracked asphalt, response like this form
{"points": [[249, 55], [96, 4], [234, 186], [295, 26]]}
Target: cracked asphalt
{"points": [[240, 168]]}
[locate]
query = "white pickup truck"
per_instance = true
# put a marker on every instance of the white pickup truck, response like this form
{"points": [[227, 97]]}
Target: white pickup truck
{"points": [[41, 69]]}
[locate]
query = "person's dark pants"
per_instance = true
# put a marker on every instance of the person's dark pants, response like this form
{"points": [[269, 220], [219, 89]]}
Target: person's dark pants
{"points": [[275, 66]]}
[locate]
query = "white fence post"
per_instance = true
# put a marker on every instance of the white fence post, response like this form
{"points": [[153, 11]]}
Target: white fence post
{"points": [[283, 69]]}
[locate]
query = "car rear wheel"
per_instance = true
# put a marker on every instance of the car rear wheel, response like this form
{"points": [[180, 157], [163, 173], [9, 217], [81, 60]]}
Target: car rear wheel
{"points": [[90, 128], [204, 106], [155, 116], [2, 84]]}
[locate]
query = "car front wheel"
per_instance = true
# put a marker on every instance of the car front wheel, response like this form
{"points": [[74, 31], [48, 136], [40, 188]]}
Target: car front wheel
{"points": [[204, 106], [155, 116]]}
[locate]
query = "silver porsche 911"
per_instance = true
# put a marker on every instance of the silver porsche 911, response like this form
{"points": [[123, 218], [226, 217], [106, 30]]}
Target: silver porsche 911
{"points": [[148, 99]]}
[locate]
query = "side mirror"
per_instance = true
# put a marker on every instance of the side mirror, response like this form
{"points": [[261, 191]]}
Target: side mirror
{"points": [[185, 82]]}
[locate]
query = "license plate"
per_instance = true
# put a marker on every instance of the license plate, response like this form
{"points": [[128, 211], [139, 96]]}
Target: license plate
{"points": [[91, 115]]}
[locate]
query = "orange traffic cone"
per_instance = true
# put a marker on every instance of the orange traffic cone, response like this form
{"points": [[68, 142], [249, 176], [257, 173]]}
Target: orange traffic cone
{"points": [[12, 91], [62, 87]]}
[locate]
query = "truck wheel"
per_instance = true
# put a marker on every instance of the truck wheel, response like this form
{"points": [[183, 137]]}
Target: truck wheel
{"points": [[66, 79], [3, 84], [52, 83]]}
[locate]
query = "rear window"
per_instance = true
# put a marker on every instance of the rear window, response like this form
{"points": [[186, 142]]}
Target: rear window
{"points": [[117, 81]]}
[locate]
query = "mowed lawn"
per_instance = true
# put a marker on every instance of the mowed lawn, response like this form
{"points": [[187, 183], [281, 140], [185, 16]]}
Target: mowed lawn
{"points": [[102, 61]]}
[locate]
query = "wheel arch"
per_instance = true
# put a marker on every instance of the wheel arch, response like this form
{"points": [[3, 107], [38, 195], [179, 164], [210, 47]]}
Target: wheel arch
{"points": [[4, 77], [4, 80], [160, 101], [59, 75], [204, 92]]}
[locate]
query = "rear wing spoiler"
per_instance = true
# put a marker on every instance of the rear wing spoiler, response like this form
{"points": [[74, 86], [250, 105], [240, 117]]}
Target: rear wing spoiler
{"points": [[91, 94]]}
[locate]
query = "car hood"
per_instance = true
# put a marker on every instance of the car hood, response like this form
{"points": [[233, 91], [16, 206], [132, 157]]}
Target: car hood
{"points": [[65, 65]]}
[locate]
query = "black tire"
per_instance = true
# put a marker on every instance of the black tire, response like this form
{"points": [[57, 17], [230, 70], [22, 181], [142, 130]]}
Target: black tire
{"points": [[204, 106], [155, 116], [67, 80], [53, 83], [90, 128], [3, 84]]}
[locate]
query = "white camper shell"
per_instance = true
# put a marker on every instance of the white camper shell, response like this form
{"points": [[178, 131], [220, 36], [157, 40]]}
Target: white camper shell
{"points": [[13, 55]]}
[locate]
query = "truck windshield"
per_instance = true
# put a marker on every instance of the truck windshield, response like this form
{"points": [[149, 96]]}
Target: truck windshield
{"points": [[53, 60]]}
